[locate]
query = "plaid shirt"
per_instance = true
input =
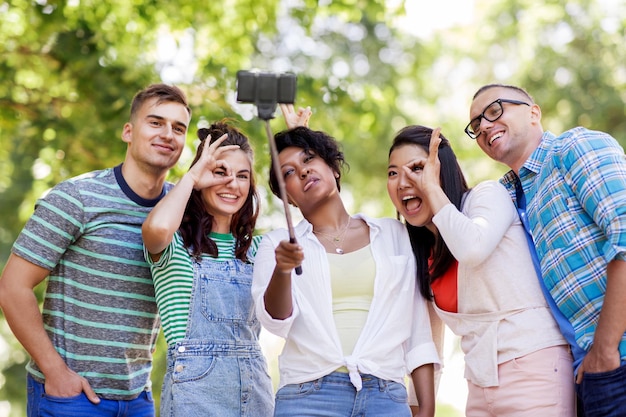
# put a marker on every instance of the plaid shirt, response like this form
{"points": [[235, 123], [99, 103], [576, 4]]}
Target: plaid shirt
{"points": [[575, 186]]}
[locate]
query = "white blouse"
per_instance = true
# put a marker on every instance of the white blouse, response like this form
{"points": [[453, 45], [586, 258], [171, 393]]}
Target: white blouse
{"points": [[396, 337]]}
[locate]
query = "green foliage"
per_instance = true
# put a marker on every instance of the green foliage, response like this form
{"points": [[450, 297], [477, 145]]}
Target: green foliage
{"points": [[69, 70]]}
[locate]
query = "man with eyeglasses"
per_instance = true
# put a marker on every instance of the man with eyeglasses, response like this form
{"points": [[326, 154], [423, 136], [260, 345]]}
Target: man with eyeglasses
{"points": [[574, 190]]}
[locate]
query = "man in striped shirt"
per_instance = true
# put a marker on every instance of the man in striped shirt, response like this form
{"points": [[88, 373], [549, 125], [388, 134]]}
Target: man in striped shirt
{"points": [[91, 346], [575, 189]]}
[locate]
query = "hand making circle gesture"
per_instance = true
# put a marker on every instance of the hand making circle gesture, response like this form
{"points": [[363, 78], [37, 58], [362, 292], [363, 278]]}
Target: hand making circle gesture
{"points": [[210, 170], [424, 173]]}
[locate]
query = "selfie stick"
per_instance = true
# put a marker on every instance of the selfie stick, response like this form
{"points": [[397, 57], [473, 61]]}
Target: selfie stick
{"points": [[266, 112]]}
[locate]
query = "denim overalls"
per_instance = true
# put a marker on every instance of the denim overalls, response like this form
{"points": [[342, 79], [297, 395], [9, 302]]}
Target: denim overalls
{"points": [[218, 369]]}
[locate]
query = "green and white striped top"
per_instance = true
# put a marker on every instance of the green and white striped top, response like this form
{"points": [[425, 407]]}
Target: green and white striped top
{"points": [[173, 280]]}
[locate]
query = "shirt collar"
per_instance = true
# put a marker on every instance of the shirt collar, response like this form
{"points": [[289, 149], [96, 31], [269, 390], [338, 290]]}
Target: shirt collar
{"points": [[532, 166], [539, 155]]}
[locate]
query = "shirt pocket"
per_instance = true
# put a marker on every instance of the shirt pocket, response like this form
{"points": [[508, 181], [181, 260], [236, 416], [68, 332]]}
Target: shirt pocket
{"points": [[396, 273]]}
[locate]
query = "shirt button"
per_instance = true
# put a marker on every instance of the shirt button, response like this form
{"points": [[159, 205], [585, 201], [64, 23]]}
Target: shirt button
{"points": [[181, 349]]}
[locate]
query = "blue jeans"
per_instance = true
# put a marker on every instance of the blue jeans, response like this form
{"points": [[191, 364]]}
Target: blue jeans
{"points": [[603, 394], [334, 396], [42, 405]]}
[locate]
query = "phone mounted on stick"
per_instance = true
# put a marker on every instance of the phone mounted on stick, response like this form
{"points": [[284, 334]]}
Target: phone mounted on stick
{"points": [[266, 90]]}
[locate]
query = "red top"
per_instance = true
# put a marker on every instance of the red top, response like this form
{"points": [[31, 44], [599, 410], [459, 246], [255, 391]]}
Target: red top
{"points": [[445, 289]]}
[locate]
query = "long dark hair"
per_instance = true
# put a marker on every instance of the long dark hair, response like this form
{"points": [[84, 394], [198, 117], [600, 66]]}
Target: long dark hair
{"points": [[454, 185], [311, 141], [197, 223]]}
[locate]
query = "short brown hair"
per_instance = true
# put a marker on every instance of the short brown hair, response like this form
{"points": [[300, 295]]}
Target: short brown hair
{"points": [[510, 87], [163, 93]]}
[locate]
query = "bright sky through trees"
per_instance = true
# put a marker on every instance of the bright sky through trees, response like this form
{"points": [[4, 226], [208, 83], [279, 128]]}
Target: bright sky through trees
{"points": [[423, 17]]}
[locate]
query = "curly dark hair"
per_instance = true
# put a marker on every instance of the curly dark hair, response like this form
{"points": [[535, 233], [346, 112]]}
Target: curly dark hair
{"points": [[314, 142], [197, 223], [454, 185]]}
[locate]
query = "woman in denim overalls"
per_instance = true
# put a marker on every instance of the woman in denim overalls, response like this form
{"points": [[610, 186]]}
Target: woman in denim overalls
{"points": [[198, 241]]}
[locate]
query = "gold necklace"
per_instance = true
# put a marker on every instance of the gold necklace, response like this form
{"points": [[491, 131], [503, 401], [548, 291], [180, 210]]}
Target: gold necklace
{"points": [[336, 240]]}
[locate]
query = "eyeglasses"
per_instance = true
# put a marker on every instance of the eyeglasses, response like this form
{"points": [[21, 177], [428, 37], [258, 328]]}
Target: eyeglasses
{"points": [[491, 113]]}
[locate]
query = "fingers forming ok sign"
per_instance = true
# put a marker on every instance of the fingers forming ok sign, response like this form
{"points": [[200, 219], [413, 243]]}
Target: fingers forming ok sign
{"points": [[210, 169], [425, 172]]}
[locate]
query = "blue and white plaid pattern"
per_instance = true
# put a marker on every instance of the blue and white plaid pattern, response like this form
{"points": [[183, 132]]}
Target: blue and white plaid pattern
{"points": [[575, 185]]}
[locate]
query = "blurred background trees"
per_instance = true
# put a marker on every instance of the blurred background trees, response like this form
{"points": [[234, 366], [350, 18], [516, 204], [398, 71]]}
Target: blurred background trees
{"points": [[69, 69]]}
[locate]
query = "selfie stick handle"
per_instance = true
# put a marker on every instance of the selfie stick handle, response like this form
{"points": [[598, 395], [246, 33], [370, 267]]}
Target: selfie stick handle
{"points": [[281, 186]]}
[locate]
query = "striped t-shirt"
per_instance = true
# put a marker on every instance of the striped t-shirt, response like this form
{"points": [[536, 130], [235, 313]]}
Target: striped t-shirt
{"points": [[99, 309], [173, 280]]}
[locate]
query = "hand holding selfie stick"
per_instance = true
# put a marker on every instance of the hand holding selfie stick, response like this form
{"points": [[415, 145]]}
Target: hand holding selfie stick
{"points": [[281, 187], [266, 90]]}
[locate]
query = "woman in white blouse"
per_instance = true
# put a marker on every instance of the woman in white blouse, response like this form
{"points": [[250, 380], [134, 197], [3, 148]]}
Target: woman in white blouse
{"points": [[354, 322]]}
